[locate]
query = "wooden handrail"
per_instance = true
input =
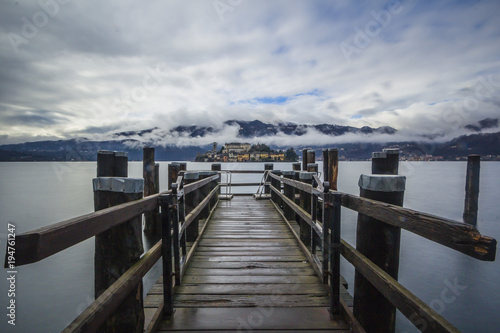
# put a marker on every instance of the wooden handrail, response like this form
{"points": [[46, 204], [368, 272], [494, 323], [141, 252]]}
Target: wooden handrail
{"points": [[461, 237], [97, 312], [406, 302], [188, 188], [308, 188], [41, 243], [197, 210]]}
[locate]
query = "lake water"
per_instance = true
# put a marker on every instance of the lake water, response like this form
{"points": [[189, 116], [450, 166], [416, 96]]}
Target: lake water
{"points": [[52, 292]]}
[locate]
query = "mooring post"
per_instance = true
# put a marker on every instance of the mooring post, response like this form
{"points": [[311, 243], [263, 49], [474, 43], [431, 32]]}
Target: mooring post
{"points": [[268, 167], [118, 248], [173, 173], [311, 157], [182, 166], [169, 217], [304, 159], [192, 200], [324, 152], [472, 189], [305, 203], [296, 166], [333, 168], [217, 167], [148, 163], [380, 243], [312, 167]]}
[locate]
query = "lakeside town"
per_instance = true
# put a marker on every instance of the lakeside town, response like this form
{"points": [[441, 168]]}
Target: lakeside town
{"points": [[246, 152]]}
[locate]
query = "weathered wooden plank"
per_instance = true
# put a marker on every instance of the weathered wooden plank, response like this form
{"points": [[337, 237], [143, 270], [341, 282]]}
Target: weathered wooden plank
{"points": [[216, 248], [247, 289], [269, 319], [299, 258], [281, 253], [459, 236], [203, 301], [243, 242], [251, 271], [190, 279], [200, 263], [410, 305], [248, 236]]}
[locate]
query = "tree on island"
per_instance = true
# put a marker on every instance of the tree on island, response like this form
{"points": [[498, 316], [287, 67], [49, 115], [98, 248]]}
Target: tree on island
{"points": [[291, 155]]}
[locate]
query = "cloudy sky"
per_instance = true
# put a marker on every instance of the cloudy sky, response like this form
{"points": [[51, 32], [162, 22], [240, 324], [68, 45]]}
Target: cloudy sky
{"points": [[72, 68]]}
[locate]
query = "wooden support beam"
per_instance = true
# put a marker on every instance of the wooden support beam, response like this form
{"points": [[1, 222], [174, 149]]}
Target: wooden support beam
{"points": [[333, 168], [118, 248], [380, 242], [148, 162]]}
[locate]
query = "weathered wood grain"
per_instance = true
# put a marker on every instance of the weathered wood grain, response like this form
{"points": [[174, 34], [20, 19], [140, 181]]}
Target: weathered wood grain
{"points": [[41, 243], [245, 319], [462, 237]]}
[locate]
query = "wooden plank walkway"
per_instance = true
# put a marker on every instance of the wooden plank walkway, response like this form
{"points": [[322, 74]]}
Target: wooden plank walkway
{"points": [[248, 273]]}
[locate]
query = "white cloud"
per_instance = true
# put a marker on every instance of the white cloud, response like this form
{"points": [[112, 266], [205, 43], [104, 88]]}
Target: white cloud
{"points": [[90, 66]]}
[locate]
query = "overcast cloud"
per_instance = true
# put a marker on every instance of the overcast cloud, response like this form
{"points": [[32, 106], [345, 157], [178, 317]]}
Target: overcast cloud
{"points": [[91, 68]]}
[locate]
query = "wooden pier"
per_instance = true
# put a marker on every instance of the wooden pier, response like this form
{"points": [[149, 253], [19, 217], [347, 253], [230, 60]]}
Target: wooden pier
{"points": [[268, 262], [248, 273]]}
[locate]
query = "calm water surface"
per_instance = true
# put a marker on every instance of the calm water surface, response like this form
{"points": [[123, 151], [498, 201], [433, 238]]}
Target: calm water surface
{"points": [[51, 293]]}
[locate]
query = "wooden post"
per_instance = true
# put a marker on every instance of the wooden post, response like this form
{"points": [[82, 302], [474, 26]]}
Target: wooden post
{"points": [[169, 216], [217, 167], [173, 173], [305, 203], [118, 248], [385, 162], [380, 243], [379, 160], [325, 164], [392, 160], [289, 192], [105, 163], [296, 166], [333, 168], [304, 159], [472, 189], [120, 164], [192, 200], [182, 166], [148, 163], [312, 167], [157, 177], [268, 166], [311, 156]]}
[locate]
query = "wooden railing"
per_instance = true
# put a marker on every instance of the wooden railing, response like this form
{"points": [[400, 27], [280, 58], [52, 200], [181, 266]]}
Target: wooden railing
{"points": [[41, 243], [175, 224], [324, 231]]}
